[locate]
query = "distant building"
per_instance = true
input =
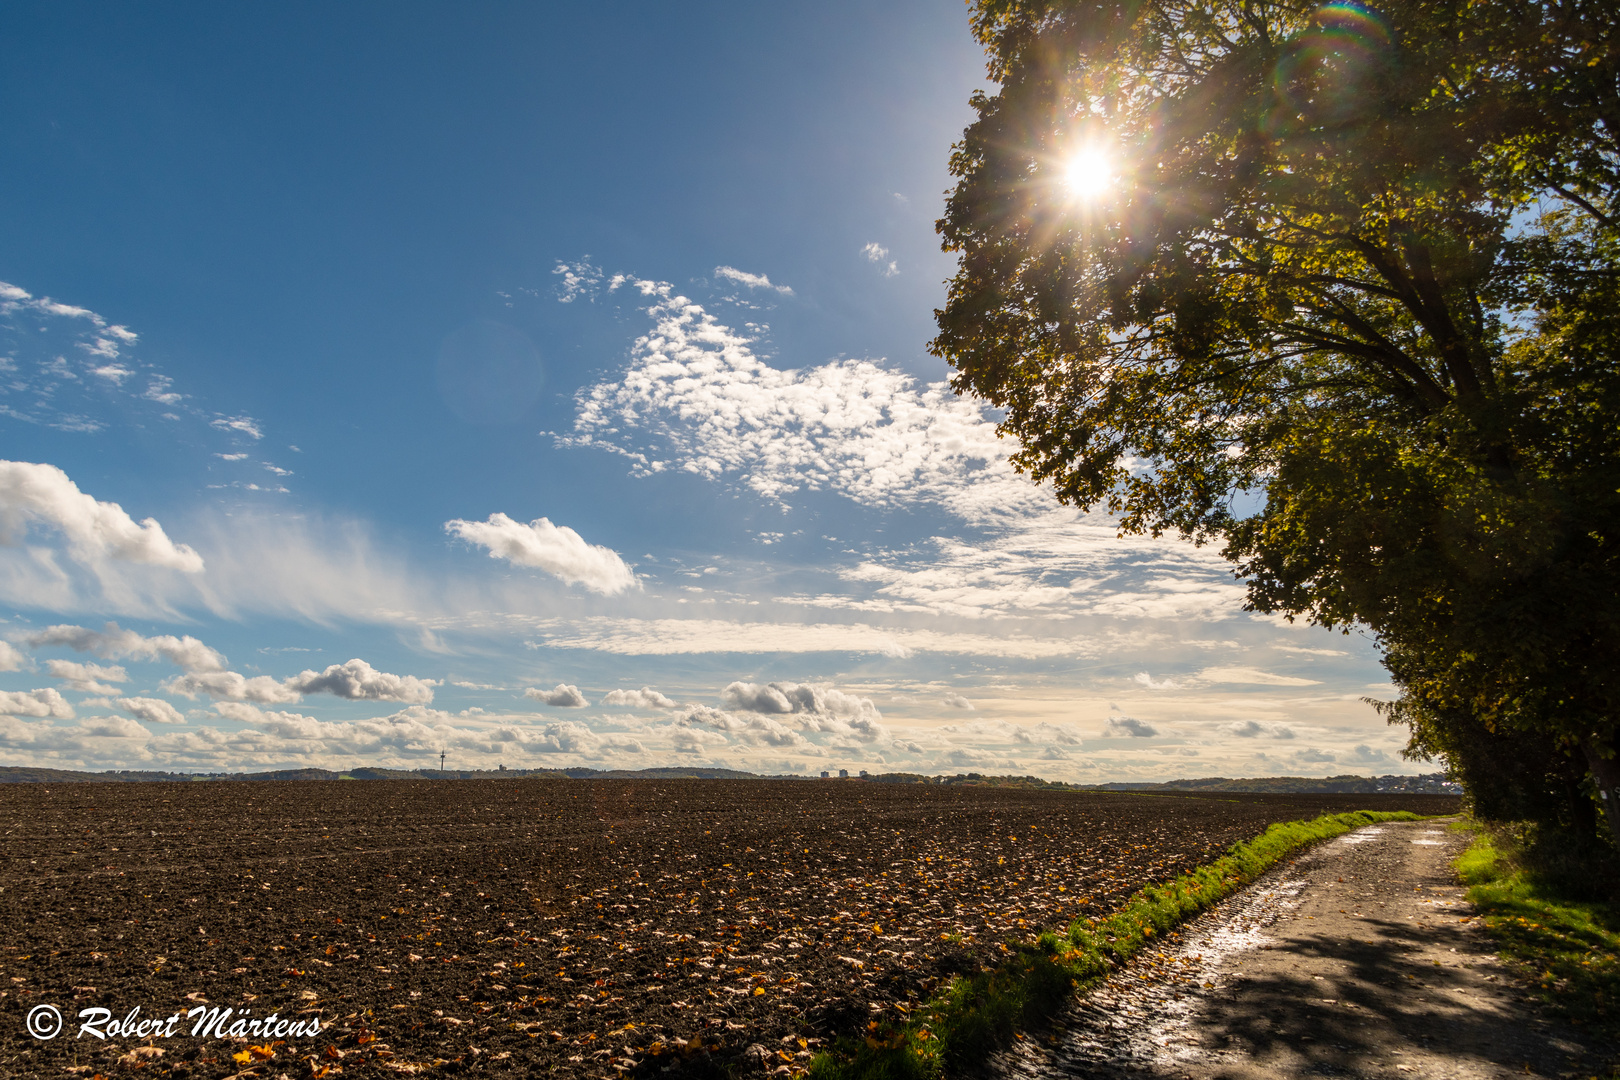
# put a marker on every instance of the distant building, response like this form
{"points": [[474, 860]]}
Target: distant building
{"points": [[825, 774], [863, 774], [843, 774]]}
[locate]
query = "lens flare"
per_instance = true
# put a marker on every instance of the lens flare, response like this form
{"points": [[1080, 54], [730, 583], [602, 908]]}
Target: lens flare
{"points": [[1088, 172]]}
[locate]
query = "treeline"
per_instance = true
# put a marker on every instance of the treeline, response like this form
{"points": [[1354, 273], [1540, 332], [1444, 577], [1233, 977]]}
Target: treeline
{"points": [[1422, 784]]}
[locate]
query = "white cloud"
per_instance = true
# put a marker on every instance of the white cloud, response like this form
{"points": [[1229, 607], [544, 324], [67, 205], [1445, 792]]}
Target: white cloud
{"points": [[695, 740], [876, 253], [113, 643], [246, 425], [113, 373], [46, 702], [85, 678], [645, 698], [1122, 726], [752, 281], [752, 729], [94, 531], [695, 398], [152, 710], [578, 279], [415, 733], [11, 658], [357, 680], [556, 549], [816, 708], [232, 686], [957, 701], [562, 696], [1151, 683], [1252, 676]]}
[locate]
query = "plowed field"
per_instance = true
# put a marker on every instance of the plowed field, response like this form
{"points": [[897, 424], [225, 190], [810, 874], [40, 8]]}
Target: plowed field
{"points": [[532, 927]]}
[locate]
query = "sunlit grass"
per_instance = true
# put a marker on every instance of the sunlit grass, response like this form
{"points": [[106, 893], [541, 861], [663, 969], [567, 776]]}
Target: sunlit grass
{"points": [[1568, 948]]}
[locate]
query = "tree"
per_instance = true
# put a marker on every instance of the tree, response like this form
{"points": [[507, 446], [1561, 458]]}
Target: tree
{"points": [[1361, 263]]}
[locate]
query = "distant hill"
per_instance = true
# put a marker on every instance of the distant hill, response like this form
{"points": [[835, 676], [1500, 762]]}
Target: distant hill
{"points": [[15, 775], [1422, 784], [1428, 783]]}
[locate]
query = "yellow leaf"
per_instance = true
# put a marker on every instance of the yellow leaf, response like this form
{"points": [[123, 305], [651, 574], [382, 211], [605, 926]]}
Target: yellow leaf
{"points": [[243, 1058], [759, 991]]}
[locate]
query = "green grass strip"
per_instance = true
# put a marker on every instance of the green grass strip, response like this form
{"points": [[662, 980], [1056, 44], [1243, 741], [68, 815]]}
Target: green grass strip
{"points": [[957, 1030], [1568, 949]]}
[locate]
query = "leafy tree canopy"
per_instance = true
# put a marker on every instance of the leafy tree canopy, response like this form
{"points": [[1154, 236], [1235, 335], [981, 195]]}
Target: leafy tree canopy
{"points": [[1358, 263]]}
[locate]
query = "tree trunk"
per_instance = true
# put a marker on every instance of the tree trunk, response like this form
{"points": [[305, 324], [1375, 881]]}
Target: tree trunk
{"points": [[1583, 816], [1606, 771]]}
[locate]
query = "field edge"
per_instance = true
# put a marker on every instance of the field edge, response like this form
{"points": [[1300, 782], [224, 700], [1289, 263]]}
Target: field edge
{"points": [[957, 1030]]}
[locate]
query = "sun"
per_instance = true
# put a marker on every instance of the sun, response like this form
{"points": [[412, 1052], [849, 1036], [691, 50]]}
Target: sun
{"points": [[1088, 172]]}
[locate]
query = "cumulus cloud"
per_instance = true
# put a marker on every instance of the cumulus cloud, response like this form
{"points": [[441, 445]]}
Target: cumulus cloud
{"points": [[816, 708], [1151, 683], [752, 281], [13, 659], [86, 678], [232, 686], [112, 643], [877, 253], [46, 702], [556, 549], [94, 531], [645, 698], [1126, 726], [1255, 729], [562, 696], [152, 710], [419, 733], [357, 680], [695, 740], [753, 729], [957, 701]]}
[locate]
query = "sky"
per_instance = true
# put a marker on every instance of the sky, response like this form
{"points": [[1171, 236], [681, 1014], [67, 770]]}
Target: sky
{"points": [[548, 386]]}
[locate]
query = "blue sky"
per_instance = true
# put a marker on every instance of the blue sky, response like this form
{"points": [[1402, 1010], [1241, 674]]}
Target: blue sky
{"points": [[548, 385]]}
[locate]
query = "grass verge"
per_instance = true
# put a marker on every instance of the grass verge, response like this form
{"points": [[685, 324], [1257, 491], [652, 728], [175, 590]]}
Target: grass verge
{"points": [[957, 1030], [1568, 948]]}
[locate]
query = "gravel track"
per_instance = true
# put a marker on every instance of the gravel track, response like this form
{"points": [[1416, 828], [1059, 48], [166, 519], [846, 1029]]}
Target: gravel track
{"points": [[1358, 959]]}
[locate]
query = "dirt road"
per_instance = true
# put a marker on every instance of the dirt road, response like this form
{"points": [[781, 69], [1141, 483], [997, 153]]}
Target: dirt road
{"points": [[1360, 959]]}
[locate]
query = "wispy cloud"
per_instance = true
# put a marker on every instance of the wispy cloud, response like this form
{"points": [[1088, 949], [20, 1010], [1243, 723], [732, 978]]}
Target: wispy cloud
{"points": [[752, 281], [244, 425], [1252, 676]]}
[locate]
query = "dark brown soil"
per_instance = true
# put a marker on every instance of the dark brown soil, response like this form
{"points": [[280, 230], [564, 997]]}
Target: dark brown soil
{"points": [[534, 927]]}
